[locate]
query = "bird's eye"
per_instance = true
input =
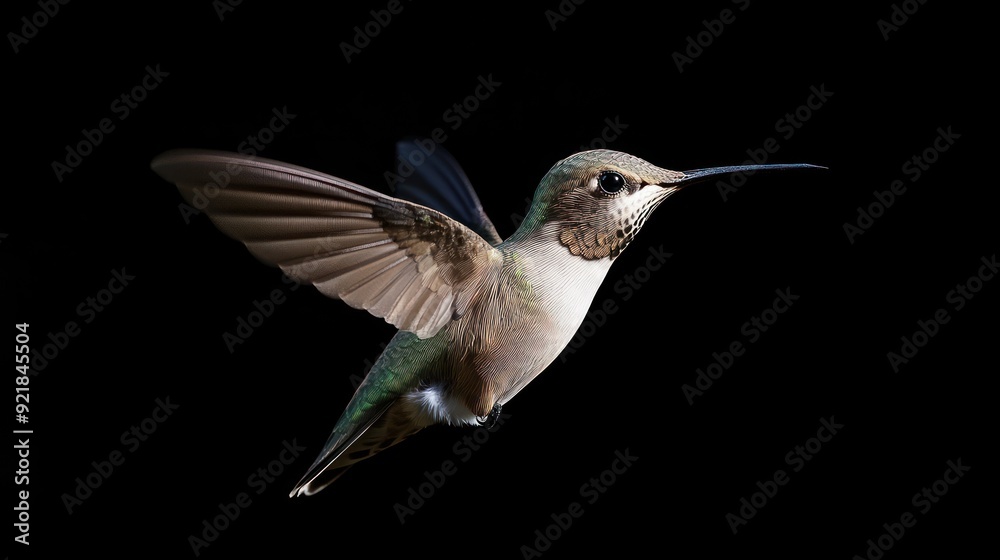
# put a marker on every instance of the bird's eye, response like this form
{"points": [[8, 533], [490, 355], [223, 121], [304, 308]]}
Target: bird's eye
{"points": [[611, 182]]}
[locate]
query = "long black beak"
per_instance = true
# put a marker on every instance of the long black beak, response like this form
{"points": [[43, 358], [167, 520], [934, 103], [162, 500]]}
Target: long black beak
{"points": [[695, 176]]}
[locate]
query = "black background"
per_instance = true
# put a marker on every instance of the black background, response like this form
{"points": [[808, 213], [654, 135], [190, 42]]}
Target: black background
{"points": [[621, 390]]}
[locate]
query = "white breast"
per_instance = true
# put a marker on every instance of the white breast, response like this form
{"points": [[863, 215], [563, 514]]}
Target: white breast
{"points": [[564, 286]]}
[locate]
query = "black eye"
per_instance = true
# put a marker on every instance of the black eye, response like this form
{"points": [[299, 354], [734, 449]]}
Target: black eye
{"points": [[611, 182]]}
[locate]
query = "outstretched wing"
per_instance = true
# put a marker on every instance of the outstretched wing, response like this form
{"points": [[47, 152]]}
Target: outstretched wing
{"points": [[409, 264], [438, 182]]}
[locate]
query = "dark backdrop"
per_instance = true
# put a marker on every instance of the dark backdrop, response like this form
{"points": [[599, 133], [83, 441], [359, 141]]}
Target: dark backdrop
{"points": [[866, 98]]}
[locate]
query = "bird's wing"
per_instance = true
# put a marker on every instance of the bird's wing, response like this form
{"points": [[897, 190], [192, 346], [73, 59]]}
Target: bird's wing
{"points": [[409, 264], [438, 182]]}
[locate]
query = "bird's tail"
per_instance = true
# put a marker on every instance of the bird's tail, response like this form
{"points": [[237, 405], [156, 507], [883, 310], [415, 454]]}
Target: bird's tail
{"points": [[347, 447]]}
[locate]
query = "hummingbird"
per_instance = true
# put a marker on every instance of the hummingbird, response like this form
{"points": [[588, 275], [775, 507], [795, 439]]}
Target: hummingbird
{"points": [[479, 317]]}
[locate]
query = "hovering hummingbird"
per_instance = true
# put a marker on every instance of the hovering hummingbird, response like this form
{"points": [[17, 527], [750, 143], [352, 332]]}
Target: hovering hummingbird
{"points": [[479, 317]]}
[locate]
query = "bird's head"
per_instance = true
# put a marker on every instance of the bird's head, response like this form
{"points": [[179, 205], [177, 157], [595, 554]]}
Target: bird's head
{"points": [[596, 201]]}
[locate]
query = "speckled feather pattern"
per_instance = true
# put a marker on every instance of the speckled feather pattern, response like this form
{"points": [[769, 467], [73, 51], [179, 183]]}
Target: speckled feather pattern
{"points": [[594, 227]]}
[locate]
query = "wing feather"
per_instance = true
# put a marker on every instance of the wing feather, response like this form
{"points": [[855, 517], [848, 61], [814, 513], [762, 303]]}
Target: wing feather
{"points": [[409, 264], [440, 183]]}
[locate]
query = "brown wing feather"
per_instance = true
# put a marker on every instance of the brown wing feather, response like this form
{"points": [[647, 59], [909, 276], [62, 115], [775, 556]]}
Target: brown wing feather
{"points": [[409, 264]]}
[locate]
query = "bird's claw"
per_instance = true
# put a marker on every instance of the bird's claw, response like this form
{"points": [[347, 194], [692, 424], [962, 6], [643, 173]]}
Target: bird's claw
{"points": [[491, 419]]}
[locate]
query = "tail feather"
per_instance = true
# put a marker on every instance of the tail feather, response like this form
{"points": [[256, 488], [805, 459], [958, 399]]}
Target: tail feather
{"points": [[343, 450]]}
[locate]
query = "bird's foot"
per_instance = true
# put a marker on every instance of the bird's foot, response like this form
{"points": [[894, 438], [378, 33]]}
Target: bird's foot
{"points": [[491, 419]]}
